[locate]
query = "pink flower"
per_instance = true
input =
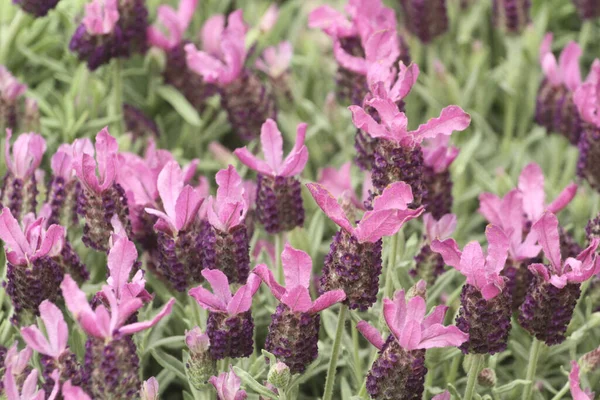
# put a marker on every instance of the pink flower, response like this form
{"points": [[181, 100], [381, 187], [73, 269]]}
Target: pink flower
{"points": [[297, 269], [29, 390], [338, 182], [62, 161], [482, 273], [266, 246], [10, 87], [56, 329], [387, 82], [24, 246], [269, 18], [574, 270], [272, 146], [576, 391], [149, 390], [106, 162], [445, 395], [102, 323], [101, 16], [175, 22], [587, 96], [227, 385], [411, 328], [441, 229], [197, 341], [121, 258], [181, 203], [229, 208], [275, 60], [221, 300], [27, 153], [566, 70], [390, 211], [17, 360], [225, 50], [394, 124], [438, 154], [70, 392]]}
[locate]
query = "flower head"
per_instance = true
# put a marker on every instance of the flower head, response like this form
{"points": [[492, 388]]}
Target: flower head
{"points": [[62, 161], [390, 211], [566, 70], [275, 60], [438, 154], [181, 203], [10, 87], [121, 258], [297, 268], [481, 272], [56, 329], [411, 328], [440, 229], [106, 162], [33, 241], [229, 208], [101, 17], [272, 146], [227, 385], [149, 390], [575, 385], [175, 22], [394, 124], [27, 153], [575, 270], [338, 182], [221, 300], [222, 60]]}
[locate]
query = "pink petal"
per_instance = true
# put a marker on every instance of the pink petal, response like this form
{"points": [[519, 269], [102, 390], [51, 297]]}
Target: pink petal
{"points": [[362, 120], [297, 299], [395, 196], [550, 69], [327, 300], [410, 336], [204, 64], [106, 150], [70, 392], [547, 230], [56, 327], [211, 33], [563, 199], [569, 65], [452, 118], [297, 267], [407, 77], [12, 235], [497, 249], [101, 17], [54, 393], [330, 206], [219, 283], [267, 277], [442, 336], [449, 251], [61, 164], [10, 386], [331, 21], [140, 326], [489, 207], [491, 290], [250, 160], [442, 396], [150, 390], [77, 303], [395, 312], [575, 385], [435, 317], [121, 258], [187, 206], [35, 339], [539, 270], [371, 334], [382, 47], [242, 300], [230, 185], [472, 265], [296, 161], [272, 144], [376, 224], [528, 249], [28, 392], [170, 185], [164, 224], [531, 184]]}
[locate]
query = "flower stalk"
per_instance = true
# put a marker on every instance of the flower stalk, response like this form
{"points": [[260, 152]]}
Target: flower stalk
{"points": [[331, 370], [534, 355]]}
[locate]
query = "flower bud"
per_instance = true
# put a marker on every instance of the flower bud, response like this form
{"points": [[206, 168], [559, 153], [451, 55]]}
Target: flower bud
{"points": [[200, 366], [279, 375], [419, 289], [149, 390], [591, 361], [487, 378]]}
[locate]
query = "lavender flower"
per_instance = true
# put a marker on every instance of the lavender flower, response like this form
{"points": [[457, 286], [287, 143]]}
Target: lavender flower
{"points": [[511, 15], [247, 101], [485, 303], [554, 291], [426, 19], [200, 366], [29, 390], [230, 326], [278, 200], [399, 371], [429, 264], [294, 329], [227, 385], [11, 90], [353, 263]]}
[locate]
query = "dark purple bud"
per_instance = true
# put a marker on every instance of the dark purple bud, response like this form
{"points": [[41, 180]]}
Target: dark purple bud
{"points": [[279, 204], [63, 198], [426, 19], [67, 364], [568, 246], [518, 280], [511, 15], [397, 374], [556, 111], [293, 338], [486, 321], [228, 252], [230, 335], [588, 9], [592, 229], [71, 264], [353, 267], [351, 87], [38, 8], [589, 156]]}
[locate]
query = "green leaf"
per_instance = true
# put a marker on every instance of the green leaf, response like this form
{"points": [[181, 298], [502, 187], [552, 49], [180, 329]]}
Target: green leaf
{"points": [[510, 386], [173, 341], [251, 383], [180, 104], [169, 362]]}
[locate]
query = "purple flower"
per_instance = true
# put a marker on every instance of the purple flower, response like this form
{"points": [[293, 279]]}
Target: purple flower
{"points": [[426, 19]]}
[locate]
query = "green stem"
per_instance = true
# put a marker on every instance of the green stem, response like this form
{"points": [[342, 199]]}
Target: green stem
{"points": [[117, 100], [390, 266], [454, 370], [329, 381], [476, 364], [585, 34], [534, 355], [282, 395], [278, 250], [562, 392], [357, 359], [362, 393]]}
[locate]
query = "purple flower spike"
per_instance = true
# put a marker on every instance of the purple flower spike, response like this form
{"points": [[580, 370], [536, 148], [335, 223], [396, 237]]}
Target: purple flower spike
{"points": [[279, 201], [11, 91], [554, 291], [230, 326], [399, 371], [55, 354], [20, 183], [426, 19], [247, 101], [428, 264], [226, 245], [228, 385], [511, 15], [485, 303], [398, 155], [353, 263], [178, 228], [555, 106], [294, 329], [33, 276]]}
